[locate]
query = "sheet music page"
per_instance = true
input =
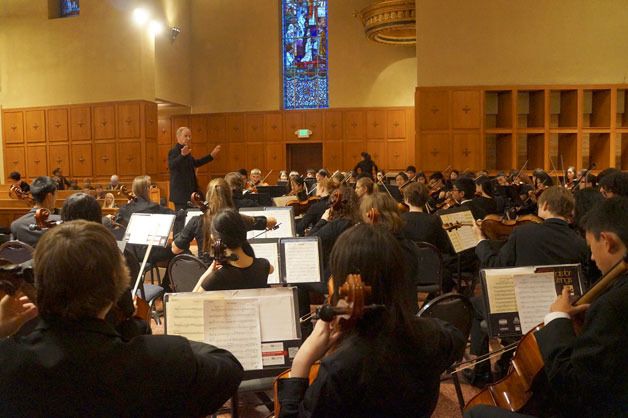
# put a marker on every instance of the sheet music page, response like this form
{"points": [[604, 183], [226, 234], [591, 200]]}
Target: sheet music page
{"points": [[277, 317], [281, 201], [462, 238], [149, 228], [284, 217], [269, 251], [302, 261], [185, 317], [501, 293], [235, 326], [190, 214], [534, 294]]}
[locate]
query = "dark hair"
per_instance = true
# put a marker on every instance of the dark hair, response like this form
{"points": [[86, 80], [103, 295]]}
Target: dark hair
{"points": [[608, 216], [416, 194], [230, 228], [616, 183], [348, 207], [544, 178], [411, 168], [420, 174], [243, 172], [81, 206], [606, 172], [323, 172], [14, 175], [235, 181], [403, 175], [466, 186], [437, 175], [41, 187], [560, 201], [79, 270], [586, 199], [486, 184], [310, 171], [366, 156], [56, 170]]}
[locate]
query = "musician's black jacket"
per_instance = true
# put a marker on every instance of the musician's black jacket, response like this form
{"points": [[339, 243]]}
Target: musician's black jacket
{"points": [[182, 175]]}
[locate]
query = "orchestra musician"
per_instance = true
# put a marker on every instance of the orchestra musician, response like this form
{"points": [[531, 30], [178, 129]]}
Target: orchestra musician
{"points": [[614, 184], [411, 173], [62, 182], [316, 209], [419, 225], [256, 178], [586, 371], [400, 179], [236, 184], [16, 178], [75, 364], [570, 177], [297, 188], [462, 195], [374, 368], [366, 166], [43, 190], [364, 186]]}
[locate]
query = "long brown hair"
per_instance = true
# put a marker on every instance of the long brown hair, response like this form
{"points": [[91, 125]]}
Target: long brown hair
{"points": [[218, 198], [386, 209]]}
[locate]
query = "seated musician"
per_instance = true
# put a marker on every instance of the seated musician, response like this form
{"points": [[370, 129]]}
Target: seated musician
{"points": [[236, 184], [85, 207], [586, 371], [420, 177], [62, 182], [256, 178], [462, 193], [297, 188], [389, 363], [419, 225], [542, 181], [437, 189], [114, 183], [43, 190], [614, 184], [316, 209], [75, 364], [411, 173], [485, 197], [400, 179], [570, 177], [16, 179], [236, 267], [364, 186], [322, 174]]}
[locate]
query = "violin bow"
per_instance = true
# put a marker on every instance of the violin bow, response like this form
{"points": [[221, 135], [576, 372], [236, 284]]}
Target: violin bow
{"points": [[266, 176], [522, 168], [267, 230], [555, 170], [562, 168]]}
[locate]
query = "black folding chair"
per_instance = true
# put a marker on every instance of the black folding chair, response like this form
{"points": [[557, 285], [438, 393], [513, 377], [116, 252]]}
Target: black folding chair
{"points": [[431, 267], [184, 271]]}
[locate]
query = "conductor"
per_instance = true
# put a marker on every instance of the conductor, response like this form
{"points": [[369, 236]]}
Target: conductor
{"points": [[181, 165]]}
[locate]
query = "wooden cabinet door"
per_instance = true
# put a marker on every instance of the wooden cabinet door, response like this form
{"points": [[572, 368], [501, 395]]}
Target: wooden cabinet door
{"points": [[354, 124], [376, 124], [254, 123], [397, 155], [351, 154], [333, 125], [314, 122], [292, 120], [435, 152], [150, 118], [465, 109], [35, 126], [377, 149], [80, 123], [162, 158], [129, 158], [433, 109], [467, 151], [13, 127], [15, 160], [273, 127], [217, 128], [81, 160], [59, 156], [255, 156], [332, 156], [128, 120], [57, 125], [164, 136], [179, 122], [396, 124], [275, 160], [104, 159], [236, 157], [235, 127], [36, 161], [104, 118], [151, 157]]}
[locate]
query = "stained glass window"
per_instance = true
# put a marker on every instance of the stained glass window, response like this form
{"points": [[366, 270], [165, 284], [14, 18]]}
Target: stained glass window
{"points": [[304, 50]]}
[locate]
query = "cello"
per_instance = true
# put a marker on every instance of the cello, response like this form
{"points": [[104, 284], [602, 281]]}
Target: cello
{"points": [[515, 391]]}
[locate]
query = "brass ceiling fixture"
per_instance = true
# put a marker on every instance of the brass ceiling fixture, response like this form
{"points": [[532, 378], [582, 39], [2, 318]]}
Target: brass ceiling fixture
{"points": [[390, 22]]}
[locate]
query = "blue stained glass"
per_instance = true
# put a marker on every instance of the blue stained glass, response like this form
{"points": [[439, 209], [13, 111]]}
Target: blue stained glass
{"points": [[304, 46]]}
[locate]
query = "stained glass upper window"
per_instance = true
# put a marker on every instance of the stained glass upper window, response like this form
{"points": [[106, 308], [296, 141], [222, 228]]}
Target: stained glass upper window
{"points": [[305, 54]]}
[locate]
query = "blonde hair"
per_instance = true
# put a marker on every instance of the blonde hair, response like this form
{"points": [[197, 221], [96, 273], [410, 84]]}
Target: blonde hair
{"points": [[218, 198], [141, 186], [112, 204]]}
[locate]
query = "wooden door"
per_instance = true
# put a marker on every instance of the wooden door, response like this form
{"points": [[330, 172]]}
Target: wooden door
{"points": [[333, 125], [15, 160], [80, 123], [13, 127], [304, 156], [35, 126], [273, 127], [128, 120], [104, 117], [129, 158], [396, 124], [275, 159], [332, 153], [36, 161], [104, 158], [59, 156], [433, 109], [376, 124], [81, 160], [57, 125], [353, 124], [254, 123]]}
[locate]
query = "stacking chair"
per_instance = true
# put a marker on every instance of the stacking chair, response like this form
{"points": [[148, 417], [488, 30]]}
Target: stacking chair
{"points": [[184, 271], [458, 311], [431, 267], [16, 252]]}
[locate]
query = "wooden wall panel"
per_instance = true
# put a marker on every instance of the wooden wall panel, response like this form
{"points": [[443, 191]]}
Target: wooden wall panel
{"points": [[36, 164], [255, 156], [292, 120], [198, 127], [235, 127], [128, 117], [80, 123], [466, 110], [397, 155], [217, 128], [314, 122], [81, 160], [35, 126], [15, 160], [273, 127], [219, 164], [152, 160], [275, 159], [105, 158], [435, 151], [129, 158], [433, 109], [376, 124], [104, 121], [162, 158], [351, 154], [59, 156], [254, 123], [179, 122], [199, 150], [150, 119], [333, 125], [396, 124], [353, 124], [377, 149], [236, 156], [467, 151], [57, 125], [13, 127], [164, 132], [332, 156]]}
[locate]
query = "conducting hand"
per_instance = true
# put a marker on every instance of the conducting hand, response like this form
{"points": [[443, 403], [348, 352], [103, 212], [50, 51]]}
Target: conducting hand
{"points": [[215, 151], [316, 345], [15, 312], [186, 150]]}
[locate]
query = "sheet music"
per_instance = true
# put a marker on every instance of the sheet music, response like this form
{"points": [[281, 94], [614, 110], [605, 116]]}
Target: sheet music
{"points": [[149, 228], [185, 317], [534, 295], [462, 238], [190, 214], [281, 201], [273, 307], [269, 251], [302, 261], [284, 217], [235, 326]]}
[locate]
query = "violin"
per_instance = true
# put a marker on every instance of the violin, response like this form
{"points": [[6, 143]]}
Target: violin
{"points": [[15, 192], [496, 227], [449, 202], [197, 201], [124, 190], [300, 207], [42, 222], [515, 391]]}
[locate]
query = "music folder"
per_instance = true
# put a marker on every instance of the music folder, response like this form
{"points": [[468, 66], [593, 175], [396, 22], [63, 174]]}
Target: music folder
{"points": [[149, 228], [285, 220], [301, 260]]}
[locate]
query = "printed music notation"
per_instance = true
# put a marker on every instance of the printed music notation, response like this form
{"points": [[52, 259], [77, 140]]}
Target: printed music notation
{"points": [[461, 238]]}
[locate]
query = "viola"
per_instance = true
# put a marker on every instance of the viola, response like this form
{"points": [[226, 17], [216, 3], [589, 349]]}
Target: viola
{"points": [[300, 207], [197, 201], [15, 192], [496, 227], [515, 391], [42, 222]]}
